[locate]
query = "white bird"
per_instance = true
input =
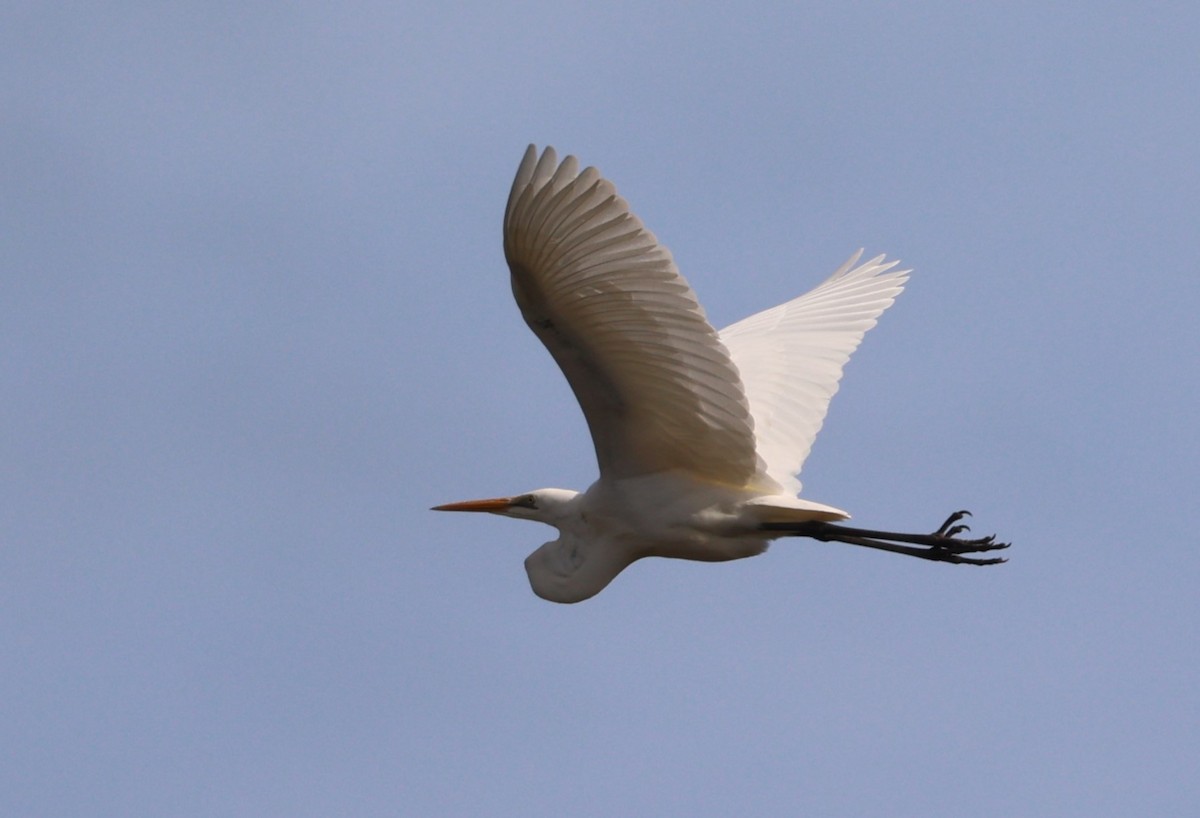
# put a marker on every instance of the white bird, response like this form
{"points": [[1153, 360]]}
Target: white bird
{"points": [[699, 434]]}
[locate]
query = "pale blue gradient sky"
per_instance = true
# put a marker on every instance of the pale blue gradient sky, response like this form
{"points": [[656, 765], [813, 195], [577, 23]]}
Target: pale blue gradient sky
{"points": [[255, 320]]}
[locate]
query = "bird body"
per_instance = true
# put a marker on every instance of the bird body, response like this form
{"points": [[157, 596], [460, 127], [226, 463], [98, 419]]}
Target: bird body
{"points": [[699, 435], [616, 522], [668, 514]]}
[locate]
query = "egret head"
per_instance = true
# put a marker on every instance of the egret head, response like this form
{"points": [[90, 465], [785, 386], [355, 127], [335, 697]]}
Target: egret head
{"points": [[542, 505], [584, 558]]}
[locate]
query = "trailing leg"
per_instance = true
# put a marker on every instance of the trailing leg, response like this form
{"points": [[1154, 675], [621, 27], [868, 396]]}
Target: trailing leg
{"points": [[943, 545]]}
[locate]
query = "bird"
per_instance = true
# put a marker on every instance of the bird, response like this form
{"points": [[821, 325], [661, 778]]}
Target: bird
{"points": [[700, 435]]}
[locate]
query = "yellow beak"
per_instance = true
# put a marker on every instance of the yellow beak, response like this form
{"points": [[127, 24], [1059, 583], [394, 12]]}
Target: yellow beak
{"points": [[494, 504]]}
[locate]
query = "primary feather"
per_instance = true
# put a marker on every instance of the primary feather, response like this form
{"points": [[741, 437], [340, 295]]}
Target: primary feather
{"points": [[790, 358], [660, 388], [656, 385]]}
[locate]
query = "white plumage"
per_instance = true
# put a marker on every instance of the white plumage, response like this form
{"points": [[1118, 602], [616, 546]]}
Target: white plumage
{"points": [[699, 435], [790, 358]]}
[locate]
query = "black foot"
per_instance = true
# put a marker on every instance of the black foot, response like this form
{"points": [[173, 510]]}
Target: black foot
{"points": [[943, 545], [947, 546], [946, 531]]}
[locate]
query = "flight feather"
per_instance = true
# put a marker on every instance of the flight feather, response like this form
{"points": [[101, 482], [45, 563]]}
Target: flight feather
{"points": [[656, 385]]}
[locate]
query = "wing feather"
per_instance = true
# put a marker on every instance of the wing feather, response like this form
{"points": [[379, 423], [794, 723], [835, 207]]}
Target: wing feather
{"points": [[791, 357], [657, 387]]}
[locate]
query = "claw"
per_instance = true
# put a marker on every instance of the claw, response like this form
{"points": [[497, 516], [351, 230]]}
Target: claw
{"points": [[951, 520], [943, 545], [973, 561], [971, 546]]}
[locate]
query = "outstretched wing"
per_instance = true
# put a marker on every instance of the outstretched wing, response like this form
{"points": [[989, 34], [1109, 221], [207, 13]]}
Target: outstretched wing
{"points": [[656, 385], [790, 358]]}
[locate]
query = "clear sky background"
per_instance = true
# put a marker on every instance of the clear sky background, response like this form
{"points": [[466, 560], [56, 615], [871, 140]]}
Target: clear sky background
{"points": [[255, 320]]}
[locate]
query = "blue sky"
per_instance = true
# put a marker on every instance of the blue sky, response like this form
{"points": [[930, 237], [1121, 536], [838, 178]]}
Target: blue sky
{"points": [[255, 320]]}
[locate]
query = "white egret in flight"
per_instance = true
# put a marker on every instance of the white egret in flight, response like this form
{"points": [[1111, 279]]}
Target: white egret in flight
{"points": [[699, 434]]}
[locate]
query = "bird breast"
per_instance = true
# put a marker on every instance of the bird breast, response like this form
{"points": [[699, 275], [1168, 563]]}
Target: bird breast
{"points": [[669, 514]]}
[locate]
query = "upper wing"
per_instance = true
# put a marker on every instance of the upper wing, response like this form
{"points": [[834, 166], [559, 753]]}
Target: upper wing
{"points": [[656, 386], [790, 358]]}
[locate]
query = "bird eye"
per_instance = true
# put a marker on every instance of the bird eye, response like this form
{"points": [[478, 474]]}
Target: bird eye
{"points": [[527, 501]]}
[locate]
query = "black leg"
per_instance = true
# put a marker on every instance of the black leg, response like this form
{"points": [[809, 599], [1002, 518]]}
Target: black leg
{"points": [[943, 545]]}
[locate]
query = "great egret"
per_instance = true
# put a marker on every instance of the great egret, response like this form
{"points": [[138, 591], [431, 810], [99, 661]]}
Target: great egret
{"points": [[699, 434]]}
